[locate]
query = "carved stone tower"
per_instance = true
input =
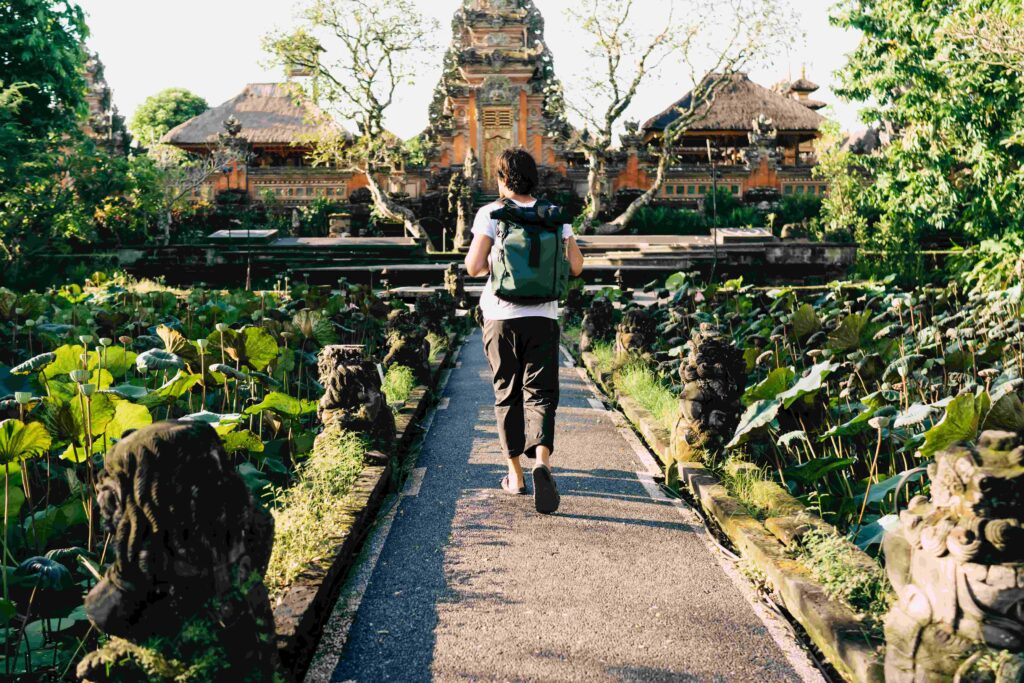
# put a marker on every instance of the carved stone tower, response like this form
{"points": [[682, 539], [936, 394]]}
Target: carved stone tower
{"points": [[497, 91]]}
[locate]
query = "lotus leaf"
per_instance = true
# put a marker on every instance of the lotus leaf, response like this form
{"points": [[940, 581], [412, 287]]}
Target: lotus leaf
{"points": [[282, 404], [811, 382], [849, 334], [960, 423], [771, 386], [758, 416], [812, 471]]}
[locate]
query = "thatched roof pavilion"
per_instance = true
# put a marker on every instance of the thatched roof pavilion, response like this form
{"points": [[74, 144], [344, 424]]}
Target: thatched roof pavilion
{"points": [[269, 115], [736, 104]]}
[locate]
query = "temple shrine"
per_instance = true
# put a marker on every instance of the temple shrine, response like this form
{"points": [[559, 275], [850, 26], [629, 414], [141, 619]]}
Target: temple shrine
{"points": [[498, 89]]}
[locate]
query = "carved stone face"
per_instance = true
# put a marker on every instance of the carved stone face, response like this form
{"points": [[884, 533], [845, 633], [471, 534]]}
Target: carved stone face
{"points": [[184, 529]]}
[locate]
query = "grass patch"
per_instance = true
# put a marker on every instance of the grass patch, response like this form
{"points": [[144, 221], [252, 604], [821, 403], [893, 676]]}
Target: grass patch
{"points": [[439, 344], [835, 563], [604, 354], [750, 484], [311, 513], [398, 384], [648, 389], [572, 334]]}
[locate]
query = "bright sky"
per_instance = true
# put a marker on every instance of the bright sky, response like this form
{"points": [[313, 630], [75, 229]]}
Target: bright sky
{"points": [[212, 47]]}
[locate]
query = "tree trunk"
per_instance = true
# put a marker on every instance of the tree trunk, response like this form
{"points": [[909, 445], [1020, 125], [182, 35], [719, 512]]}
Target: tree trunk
{"points": [[595, 177], [622, 221], [393, 210]]}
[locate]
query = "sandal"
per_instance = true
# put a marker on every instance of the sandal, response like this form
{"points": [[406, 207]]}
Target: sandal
{"points": [[507, 488], [545, 491]]}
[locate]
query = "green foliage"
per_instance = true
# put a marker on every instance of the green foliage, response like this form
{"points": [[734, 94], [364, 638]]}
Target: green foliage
{"points": [[43, 58], [664, 220], [312, 512], [955, 108], [646, 387], [161, 112], [835, 562], [398, 384], [115, 355]]}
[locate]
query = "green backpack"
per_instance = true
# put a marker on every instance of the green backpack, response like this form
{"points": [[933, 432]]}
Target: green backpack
{"points": [[531, 265]]}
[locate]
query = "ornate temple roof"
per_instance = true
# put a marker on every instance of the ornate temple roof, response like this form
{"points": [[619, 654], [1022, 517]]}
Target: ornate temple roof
{"points": [[268, 113], [737, 103], [803, 85]]}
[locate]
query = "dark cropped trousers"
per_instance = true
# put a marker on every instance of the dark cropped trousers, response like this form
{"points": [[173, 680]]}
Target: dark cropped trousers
{"points": [[523, 355]]}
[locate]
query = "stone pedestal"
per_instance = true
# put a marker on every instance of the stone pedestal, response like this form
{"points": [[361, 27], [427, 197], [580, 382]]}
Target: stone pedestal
{"points": [[339, 225]]}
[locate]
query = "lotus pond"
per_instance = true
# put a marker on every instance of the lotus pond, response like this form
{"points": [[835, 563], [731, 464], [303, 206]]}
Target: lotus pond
{"points": [[851, 389], [82, 365]]}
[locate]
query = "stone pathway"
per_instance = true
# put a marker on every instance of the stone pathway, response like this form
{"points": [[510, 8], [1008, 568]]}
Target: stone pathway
{"points": [[463, 583]]}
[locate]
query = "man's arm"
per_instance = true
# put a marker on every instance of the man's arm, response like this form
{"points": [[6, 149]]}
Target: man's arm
{"points": [[575, 257], [477, 260]]}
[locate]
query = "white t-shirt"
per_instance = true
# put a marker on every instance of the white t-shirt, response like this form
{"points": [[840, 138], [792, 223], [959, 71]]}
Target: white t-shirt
{"points": [[491, 306]]}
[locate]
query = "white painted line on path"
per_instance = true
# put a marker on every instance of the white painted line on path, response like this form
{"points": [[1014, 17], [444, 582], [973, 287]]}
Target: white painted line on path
{"points": [[415, 482], [778, 628], [338, 626], [646, 459], [336, 630], [570, 362], [596, 404]]}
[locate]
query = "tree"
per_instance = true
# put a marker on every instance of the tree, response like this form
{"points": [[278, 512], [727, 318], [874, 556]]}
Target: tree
{"points": [[708, 40], [162, 112], [376, 46], [42, 87], [601, 96], [179, 174], [942, 79], [41, 43]]}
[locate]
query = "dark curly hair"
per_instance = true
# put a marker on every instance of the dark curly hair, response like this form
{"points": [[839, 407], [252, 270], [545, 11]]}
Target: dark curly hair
{"points": [[518, 170]]}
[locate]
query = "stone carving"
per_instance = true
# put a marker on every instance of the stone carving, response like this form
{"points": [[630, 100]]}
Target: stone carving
{"points": [[598, 323], [501, 40], [636, 333], [352, 395], [407, 340], [455, 284], [461, 190], [189, 543], [496, 90], [436, 312], [763, 139], [714, 377], [956, 562], [575, 303]]}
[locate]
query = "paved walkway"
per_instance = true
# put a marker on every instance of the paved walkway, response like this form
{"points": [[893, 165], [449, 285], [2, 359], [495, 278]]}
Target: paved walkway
{"points": [[471, 584]]}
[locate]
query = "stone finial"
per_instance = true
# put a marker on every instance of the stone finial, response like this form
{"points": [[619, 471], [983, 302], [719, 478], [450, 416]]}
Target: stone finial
{"points": [[598, 323], [636, 333], [353, 398], [188, 542], [956, 562], [714, 377], [455, 284], [407, 344]]}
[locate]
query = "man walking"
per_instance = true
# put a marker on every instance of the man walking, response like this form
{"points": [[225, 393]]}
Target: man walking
{"points": [[528, 253]]}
